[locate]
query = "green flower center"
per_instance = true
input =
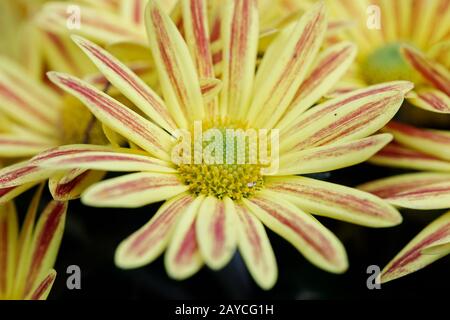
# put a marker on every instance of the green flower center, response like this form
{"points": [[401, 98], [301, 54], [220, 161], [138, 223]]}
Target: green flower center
{"points": [[223, 164], [387, 64]]}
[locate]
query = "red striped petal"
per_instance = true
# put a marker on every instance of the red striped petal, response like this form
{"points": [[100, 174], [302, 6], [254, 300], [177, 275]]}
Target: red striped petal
{"points": [[43, 288], [117, 116], [147, 243], [395, 155], [134, 190], [129, 84], [312, 239], [240, 43], [215, 232], [335, 201], [46, 241], [430, 71], [414, 256]]}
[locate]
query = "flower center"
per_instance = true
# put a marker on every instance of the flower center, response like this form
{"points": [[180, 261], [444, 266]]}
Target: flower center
{"points": [[78, 125], [235, 181], [387, 64], [223, 162]]}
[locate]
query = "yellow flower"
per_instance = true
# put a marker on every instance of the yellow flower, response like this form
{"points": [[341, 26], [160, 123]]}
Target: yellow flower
{"points": [[27, 258], [401, 40], [213, 208], [33, 116]]}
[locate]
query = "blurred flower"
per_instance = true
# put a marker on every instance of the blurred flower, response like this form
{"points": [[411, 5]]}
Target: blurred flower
{"points": [[33, 115], [27, 258], [212, 209], [431, 244], [35, 118], [421, 149], [400, 40]]}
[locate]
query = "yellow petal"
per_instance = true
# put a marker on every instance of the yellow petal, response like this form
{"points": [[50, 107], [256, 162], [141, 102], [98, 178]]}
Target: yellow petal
{"points": [[239, 35], [348, 117], [117, 116], [336, 156], [147, 243], [177, 74], [276, 83], [133, 190], [129, 84], [412, 257], [183, 258], [335, 201], [303, 231], [255, 248], [216, 234], [329, 67]]}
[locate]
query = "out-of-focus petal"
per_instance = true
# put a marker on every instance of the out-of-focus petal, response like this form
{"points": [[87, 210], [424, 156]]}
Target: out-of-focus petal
{"points": [[413, 257]]}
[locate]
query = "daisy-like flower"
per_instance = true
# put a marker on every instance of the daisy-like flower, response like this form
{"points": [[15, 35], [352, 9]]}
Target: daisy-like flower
{"points": [[401, 40], [27, 257], [212, 208]]}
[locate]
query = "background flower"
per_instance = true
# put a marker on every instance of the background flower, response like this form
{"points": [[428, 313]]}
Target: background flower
{"points": [[27, 258], [400, 40]]}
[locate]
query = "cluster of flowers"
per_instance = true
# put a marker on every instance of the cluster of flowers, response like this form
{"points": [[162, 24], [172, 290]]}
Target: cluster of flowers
{"points": [[107, 87]]}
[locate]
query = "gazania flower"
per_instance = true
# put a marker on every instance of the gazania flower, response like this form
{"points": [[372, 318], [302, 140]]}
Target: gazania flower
{"points": [[401, 40], [212, 208], [431, 244], [27, 257]]}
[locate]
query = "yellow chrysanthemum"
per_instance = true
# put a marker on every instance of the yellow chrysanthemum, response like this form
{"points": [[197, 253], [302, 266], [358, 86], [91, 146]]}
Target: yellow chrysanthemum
{"points": [[401, 40], [213, 208], [33, 116], [27, 257]]}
